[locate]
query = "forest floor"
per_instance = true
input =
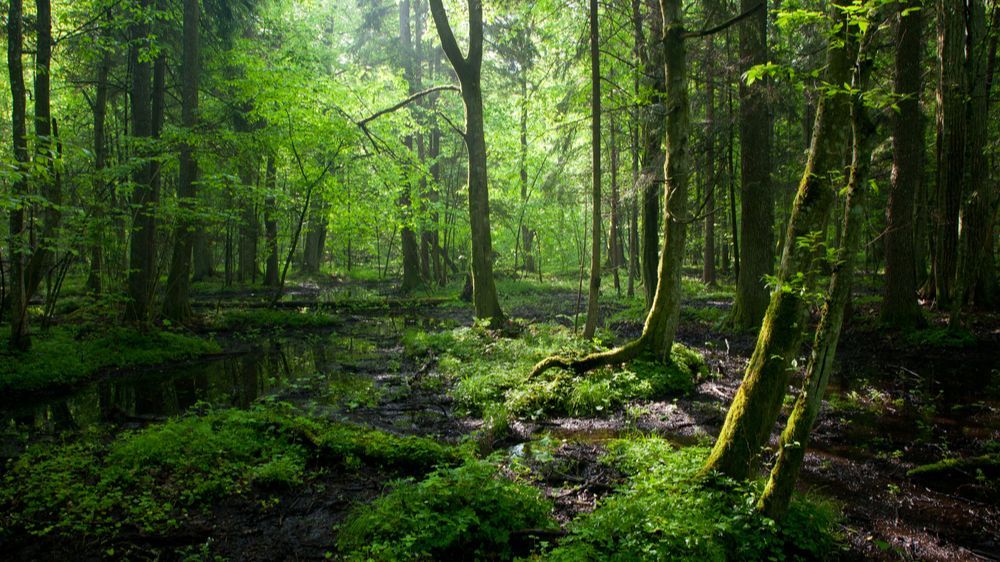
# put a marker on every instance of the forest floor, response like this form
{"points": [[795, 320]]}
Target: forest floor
{"points": [[338, 350]]}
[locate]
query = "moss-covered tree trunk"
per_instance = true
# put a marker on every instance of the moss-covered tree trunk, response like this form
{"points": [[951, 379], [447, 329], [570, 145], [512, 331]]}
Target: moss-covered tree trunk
{"points": [[651, 138], [469, 71], [755, 407], [661, 321], [781, 483]]}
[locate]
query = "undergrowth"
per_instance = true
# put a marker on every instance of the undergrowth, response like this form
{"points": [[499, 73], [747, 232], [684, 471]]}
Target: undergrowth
{"points": [[152, 480], [464, 513], [665, 512], [492, 374], [259, 318], [65, 355]]}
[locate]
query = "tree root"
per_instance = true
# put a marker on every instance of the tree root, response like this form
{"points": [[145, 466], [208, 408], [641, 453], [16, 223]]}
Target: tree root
{"points": [[615, 356]]}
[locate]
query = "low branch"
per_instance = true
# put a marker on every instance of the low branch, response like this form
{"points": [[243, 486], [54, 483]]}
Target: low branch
{"points": [[726, 24], [406, 102]]}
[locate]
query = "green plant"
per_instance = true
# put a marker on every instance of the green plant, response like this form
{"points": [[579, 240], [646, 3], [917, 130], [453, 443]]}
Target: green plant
{"points": [[464, 512], [666, 512]]}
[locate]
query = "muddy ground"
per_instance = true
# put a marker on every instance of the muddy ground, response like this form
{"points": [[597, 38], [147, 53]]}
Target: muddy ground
{"points": [[892, 406]]}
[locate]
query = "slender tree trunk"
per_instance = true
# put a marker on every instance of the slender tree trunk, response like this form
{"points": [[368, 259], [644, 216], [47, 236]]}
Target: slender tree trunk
{"points": [[755, 408], [469, 68], [756, 192], [271, 226], [96, 273], [176, 304], [791, 451], [594, 293], [411, 248], [20, 338], [900, 308], [526, 232], [652, 152], [143, 235], [615, 251], [708, 263]]}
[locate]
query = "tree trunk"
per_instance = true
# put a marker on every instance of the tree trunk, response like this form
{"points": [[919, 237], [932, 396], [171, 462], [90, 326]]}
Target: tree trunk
{"points": [[176, 304], [526, 233], [978, 212], [661, 322], [411, 248], [708, 262], [791, 451], [20, 338], [756, 193], [271, 226], [951, 146], [594, 293], [468, 68], [757, 403], [143, 235], [96, 271], [652, 152], [900, 308]]}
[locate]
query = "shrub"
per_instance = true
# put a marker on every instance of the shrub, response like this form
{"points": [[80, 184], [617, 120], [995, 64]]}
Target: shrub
{"points": [[468, 512], [667, 513]]}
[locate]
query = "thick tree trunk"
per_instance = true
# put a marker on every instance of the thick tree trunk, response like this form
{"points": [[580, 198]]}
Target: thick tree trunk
{"points": [[951, 146], [204, 263], [978, 212], [900, 308], [755, 408], [756, 192], [469, 68], [594, 293], [20, 338], [143, 235], [652, 152], [176, 304]]}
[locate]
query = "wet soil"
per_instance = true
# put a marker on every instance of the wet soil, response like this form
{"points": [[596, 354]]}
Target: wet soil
{"points": [[892, 407]]}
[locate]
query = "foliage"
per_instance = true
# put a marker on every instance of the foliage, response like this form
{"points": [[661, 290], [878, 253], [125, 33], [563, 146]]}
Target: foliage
{"points": [[666, 512], [71, 354], [492, 373], [154, 479], [457, 513], [941, 336], [256, 318]]}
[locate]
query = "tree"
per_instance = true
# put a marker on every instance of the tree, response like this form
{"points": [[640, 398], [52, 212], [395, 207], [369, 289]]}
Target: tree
{"points": [[411, 251], [20, 338], [176, 304], [468, 69], [660, 326], [899, 303], [594, 293], [756, 194], [755, 407], [142, 240]]}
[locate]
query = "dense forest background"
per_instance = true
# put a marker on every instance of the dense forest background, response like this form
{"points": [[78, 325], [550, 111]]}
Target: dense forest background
{"points": [[577, 210]]}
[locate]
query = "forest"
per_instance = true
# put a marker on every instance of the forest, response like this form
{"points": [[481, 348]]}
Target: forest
{"points": [[551, 280]]}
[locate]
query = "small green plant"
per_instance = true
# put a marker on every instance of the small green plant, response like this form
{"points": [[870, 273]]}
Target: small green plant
{"points": [[941, 337], [467, 512]]}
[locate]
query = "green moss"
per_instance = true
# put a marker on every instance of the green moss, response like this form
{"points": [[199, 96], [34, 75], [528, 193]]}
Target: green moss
{"points": [[941, 337], [67, 355], [492, 373], [154, 479], [665, 513], [986, 463], [468, 512]]}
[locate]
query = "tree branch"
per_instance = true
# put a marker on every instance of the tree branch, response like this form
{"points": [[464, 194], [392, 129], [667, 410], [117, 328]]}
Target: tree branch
{"points": [[448, 42], [726, 24], [406, 102]]}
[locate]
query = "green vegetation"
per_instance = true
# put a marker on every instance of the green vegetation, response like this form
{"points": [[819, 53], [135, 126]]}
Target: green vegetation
{"points": [[156, 478], [666, 513], [492, 374], [941, 336], [261, 318], [67, 355], [467, 512]]}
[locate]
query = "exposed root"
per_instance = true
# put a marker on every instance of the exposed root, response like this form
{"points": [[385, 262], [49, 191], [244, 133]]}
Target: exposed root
{"points": [[615, 356]]}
